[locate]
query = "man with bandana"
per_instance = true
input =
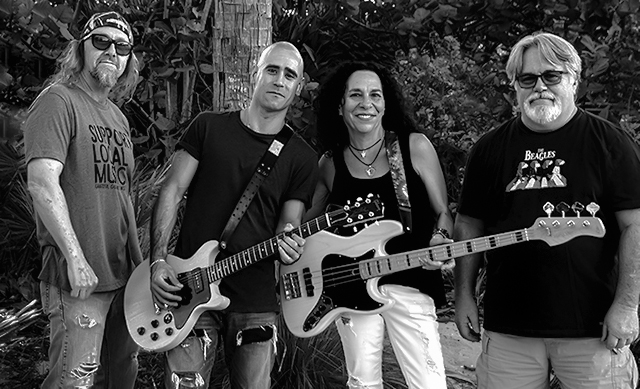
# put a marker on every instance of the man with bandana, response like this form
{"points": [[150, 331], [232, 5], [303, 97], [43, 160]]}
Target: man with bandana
{"points": [[570, 310], [79, 168]]}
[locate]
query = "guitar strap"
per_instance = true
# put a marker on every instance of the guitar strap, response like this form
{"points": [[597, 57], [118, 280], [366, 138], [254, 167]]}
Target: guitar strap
{"points": [[399, 178], [262, 171]]}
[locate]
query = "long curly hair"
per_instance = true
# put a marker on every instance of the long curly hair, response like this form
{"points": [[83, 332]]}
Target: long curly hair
{"points": [[332, 131], [70, 65]]}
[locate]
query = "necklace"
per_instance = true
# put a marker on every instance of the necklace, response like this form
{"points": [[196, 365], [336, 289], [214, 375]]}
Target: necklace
{"points": [[370, 170], [363, 152]]}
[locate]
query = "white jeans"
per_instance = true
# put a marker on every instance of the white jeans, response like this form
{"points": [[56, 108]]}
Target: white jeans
{"points": [[413, 332]]}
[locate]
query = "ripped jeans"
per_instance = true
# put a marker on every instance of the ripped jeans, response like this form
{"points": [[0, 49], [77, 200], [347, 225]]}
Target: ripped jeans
{"points": [[90, 345], [249, 348], [413, 333]]}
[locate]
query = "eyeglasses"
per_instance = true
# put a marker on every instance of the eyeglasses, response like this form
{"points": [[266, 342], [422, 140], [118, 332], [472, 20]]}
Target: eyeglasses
{"points": [[103, 42], [550, 77]]}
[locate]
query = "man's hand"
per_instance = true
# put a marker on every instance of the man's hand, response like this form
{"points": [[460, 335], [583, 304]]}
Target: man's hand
{"points": [[290, 248], [82, 278], [164, 285], [467, 318], [620, 326]]}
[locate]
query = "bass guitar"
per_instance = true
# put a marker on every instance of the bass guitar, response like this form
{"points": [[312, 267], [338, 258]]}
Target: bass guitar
{"points": [[161, 330], [317, 288]]}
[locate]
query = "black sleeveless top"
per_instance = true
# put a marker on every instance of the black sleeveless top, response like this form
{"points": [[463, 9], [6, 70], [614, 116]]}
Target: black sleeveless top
{"points": [[346, 187]]}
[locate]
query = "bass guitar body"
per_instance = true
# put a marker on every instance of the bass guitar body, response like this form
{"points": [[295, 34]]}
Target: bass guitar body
{"points": [[316, 289]]}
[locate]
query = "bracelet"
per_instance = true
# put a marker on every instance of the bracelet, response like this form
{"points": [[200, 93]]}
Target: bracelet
{"points": [[156, 261], [442, 232]]}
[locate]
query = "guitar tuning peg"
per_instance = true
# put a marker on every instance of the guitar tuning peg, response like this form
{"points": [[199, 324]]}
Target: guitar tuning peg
{"points": [[577, 208], [563, 208], [548, 208], [593, 208]]}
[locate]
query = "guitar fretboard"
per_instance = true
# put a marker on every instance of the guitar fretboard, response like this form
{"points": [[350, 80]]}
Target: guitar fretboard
{"points": [[380, 266], [253, 254]]}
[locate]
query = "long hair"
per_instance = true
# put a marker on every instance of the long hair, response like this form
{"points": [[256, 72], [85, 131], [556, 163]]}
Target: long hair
{"points": [[552, 48], [332, 131], [71, 63]]}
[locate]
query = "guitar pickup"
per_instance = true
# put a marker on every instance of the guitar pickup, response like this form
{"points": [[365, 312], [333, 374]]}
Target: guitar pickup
{"points": [[308, 284]]}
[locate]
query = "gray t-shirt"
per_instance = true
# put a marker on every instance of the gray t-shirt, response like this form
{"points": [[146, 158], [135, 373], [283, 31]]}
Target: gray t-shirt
{"points": [[93, 142]]}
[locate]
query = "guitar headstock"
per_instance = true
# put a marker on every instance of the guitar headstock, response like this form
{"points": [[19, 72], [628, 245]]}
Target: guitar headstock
{"points": [[362, 210], [555, 230]]}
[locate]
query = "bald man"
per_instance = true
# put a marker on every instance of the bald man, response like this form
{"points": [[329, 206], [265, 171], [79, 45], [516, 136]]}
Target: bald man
{"points": [[214, 162]]}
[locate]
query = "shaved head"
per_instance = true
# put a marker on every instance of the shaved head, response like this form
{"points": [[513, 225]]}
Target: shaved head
{"points": [[284, 47]]}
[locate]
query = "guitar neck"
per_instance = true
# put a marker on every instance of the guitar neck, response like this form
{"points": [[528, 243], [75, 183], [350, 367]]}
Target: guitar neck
{"points": [[380, 266], [269, 247]]}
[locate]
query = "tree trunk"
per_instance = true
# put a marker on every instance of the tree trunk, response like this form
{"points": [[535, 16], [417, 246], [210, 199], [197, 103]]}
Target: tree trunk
{"points": [[241, 29]]}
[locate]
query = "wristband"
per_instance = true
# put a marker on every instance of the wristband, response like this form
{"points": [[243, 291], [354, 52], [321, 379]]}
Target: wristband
{"points": [[156, 261], [442, 232]]}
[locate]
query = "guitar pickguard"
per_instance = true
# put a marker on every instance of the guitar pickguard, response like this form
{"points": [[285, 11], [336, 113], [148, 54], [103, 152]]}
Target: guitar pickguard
{"points": [[343, 288]]}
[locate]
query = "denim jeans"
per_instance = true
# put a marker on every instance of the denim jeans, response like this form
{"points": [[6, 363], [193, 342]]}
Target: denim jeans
{"points": [[90, 345], [249, 348], [413, 334]]}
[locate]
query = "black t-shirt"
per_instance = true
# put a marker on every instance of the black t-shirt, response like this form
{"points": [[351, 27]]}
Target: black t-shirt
{"points": [[228, 153], [346, 187], [512, 172]]}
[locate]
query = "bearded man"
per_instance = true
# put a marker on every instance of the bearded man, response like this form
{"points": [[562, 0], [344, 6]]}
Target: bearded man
{"points": [[79, 168], [570, 310]]}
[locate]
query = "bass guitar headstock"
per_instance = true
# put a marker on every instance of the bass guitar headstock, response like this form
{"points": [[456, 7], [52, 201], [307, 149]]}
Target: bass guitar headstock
{"points": [[555, 230], [362, 210]]}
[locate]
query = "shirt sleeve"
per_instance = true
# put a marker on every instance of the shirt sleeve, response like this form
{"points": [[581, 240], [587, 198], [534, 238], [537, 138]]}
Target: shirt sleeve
{"points": [[306, 176], [48, 129], [193, 139]]}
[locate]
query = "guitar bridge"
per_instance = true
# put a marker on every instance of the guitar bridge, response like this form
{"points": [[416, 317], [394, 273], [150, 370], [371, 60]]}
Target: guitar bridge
{"points": [[292, 286]]}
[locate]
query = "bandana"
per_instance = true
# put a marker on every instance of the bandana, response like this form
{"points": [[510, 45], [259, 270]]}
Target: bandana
{"points": [[108, 19]]}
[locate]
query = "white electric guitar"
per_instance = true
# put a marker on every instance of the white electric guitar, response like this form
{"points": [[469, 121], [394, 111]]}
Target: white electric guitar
{"points": [[161, 330], [317, 288]]}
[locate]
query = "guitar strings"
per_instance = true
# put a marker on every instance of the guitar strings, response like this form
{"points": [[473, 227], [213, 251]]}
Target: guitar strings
{"points": [[341, 274], [338, 274]]}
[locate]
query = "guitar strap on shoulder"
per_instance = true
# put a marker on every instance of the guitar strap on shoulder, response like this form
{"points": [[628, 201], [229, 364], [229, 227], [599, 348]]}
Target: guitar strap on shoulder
{"points": [[399, 178], [262, 171]]}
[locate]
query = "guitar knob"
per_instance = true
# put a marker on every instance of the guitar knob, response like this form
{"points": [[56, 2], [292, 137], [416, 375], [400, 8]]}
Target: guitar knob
{"points": [[168, 318], [155, 336], [155, 323], [169, 331], [141, 330]]}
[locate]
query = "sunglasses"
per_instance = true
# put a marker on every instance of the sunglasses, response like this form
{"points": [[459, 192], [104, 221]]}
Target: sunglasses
{"points": [[103, 42], [550, 77]]}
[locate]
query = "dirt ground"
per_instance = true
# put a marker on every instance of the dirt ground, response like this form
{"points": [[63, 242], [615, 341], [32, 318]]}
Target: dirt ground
{"points": [[459, 357]]}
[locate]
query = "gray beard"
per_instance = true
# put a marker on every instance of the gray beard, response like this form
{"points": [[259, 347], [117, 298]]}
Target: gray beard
{"points": [[543, 114], [105, 76]]}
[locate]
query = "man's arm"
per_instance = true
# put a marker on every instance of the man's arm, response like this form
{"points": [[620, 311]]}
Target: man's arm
{"points": [[620, 325], [321, 194], [465, 274], [163, 278], [43, 181]]}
